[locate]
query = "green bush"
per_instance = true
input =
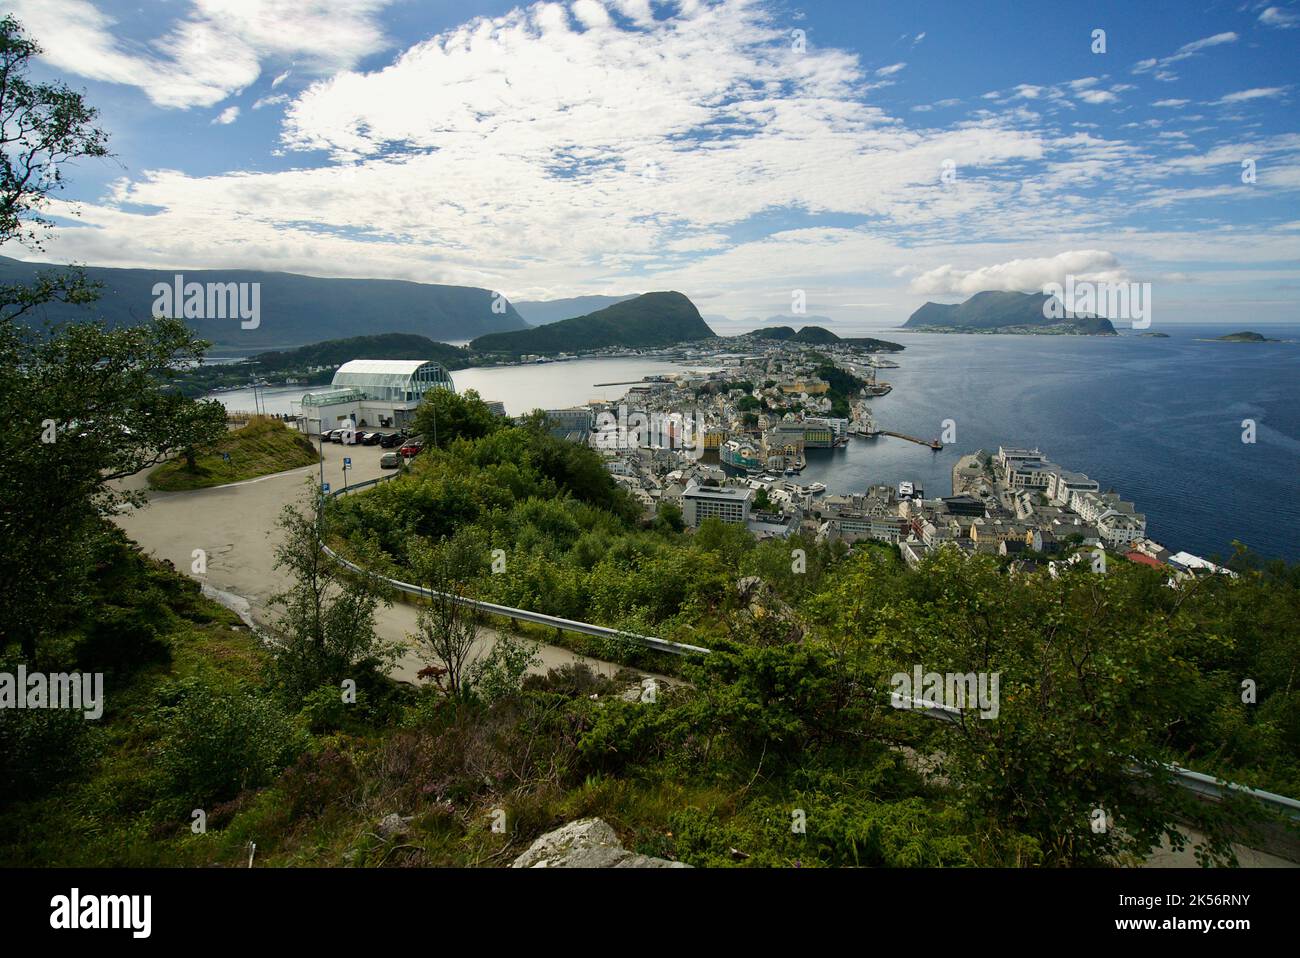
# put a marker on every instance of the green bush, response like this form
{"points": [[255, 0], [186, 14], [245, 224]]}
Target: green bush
{"points": [[220, 739], [40, 749]]}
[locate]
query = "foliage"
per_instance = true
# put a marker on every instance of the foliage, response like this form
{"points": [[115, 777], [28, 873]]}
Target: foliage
{"points": [[220, 739], [326, 627], [262, 447], [445, 416]]}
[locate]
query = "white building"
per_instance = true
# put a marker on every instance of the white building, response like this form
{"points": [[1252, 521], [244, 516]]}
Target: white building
{"points": [[371, 393], [730, 504]]}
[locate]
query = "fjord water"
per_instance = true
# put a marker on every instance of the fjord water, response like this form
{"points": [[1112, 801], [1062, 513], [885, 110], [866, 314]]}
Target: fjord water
{"points": [[1157, 420]]}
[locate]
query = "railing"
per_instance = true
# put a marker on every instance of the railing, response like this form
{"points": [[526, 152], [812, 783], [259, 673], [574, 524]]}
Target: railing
{"points": [[1199, 782], [524, 615]]}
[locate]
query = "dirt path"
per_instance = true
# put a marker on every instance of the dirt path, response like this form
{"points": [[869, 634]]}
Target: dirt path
{"points": [[236, 526]]}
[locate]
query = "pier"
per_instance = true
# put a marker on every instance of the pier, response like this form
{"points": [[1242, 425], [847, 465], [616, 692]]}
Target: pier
{"points": [[932, 443]]}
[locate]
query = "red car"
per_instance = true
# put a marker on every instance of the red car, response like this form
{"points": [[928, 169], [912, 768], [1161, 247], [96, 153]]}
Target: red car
{"points": [[412, 446]]}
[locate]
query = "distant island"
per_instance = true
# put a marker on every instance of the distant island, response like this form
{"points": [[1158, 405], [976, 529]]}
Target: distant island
{"points": [[650, 320], [995, 311], [1242, 337], [1153, 335]]}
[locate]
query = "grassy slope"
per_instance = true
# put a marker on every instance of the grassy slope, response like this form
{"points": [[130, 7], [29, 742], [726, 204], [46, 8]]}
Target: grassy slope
{"points": [[262, 447]]}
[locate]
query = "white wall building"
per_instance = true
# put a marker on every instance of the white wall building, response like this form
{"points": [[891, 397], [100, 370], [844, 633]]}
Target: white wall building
{"points": [[371, 393], [729, 503]]}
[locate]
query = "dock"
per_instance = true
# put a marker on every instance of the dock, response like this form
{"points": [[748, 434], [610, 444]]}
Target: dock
{"points": [[932, 443]]}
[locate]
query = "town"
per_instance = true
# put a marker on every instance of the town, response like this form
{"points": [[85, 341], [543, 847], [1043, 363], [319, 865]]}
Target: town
{"points": [[730, 444]]}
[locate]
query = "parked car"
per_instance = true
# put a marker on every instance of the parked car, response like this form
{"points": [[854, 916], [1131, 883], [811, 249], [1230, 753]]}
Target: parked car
{"points": [[412, 447], [391, 440], [369, 438], [390, 460], [334, 435]]}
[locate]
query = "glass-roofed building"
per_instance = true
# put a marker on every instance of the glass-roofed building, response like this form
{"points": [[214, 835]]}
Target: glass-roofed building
{"points": [[372, 393]]}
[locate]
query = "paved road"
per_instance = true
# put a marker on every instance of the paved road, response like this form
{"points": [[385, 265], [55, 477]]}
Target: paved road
{"points": [[236, 526]]}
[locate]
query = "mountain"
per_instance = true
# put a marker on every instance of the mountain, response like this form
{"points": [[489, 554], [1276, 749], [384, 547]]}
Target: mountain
{"points": [[648, 320], [336, 352], [994, 311], [544, 312], [815, 335], [808, 334], [292, 309]]}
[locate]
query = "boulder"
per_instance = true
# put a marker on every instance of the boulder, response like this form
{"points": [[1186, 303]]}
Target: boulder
{"points": [[394, 825], [586, 843]]}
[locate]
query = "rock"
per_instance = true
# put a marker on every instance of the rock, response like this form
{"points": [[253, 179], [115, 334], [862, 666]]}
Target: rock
{"points": [[394, 825], [586, 843]]}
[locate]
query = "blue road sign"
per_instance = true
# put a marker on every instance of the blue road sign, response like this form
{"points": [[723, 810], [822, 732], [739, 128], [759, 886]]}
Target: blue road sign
{"points": [[347, 461], [325, 487]]}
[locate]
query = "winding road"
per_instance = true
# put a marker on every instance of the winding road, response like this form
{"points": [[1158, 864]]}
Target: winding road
{"points": [[236, 526]]}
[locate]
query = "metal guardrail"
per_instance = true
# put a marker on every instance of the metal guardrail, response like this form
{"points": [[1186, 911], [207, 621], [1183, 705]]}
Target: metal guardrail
{"points": [[1206, 785], [524, 615]]}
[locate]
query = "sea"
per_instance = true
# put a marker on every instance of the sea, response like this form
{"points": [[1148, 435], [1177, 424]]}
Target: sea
{"points": [[1160, 421]]}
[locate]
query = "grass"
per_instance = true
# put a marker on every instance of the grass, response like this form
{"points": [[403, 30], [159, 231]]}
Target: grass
{"points": [[263, 447]]}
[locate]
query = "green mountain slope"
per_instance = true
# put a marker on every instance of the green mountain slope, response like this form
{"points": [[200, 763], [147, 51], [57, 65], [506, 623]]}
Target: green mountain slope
{"points": [[294, 309], [815, 335], [542, 312], [993, 310], [649, 320]]}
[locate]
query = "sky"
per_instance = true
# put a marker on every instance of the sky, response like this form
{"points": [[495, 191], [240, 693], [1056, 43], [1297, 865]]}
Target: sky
{"points": [[857, 157]]}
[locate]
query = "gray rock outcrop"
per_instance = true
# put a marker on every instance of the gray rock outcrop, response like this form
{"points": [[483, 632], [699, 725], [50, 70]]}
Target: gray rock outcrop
{"points": [[586, 843]]}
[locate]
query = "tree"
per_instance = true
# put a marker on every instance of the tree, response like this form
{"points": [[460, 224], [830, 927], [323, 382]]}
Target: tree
{"points": [[43, 126], [444, 416], [83, 406], [448, 628], [326, 630]]}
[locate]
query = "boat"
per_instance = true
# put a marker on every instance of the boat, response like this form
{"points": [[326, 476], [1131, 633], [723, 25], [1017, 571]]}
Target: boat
{"points": [[817, 488]]}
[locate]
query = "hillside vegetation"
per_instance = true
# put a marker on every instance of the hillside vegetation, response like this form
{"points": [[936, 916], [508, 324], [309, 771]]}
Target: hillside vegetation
{"points": [[262, 447], [649, 320], [992, 311]]}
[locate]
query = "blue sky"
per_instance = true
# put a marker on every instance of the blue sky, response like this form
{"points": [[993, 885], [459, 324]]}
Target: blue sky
{"points": [[740, 151]]}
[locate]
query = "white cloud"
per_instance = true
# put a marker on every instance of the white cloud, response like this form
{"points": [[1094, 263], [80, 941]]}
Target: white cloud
{"points": [[890, 70], [1279, 18], [1257, 93], [525, 172], [1097, 96], [216, 49], [1021, 275], [1173, 104], [1183, 52], [227, 116]]}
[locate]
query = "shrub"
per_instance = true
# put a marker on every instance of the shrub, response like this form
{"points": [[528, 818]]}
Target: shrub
{"points": [[219, 740]]}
